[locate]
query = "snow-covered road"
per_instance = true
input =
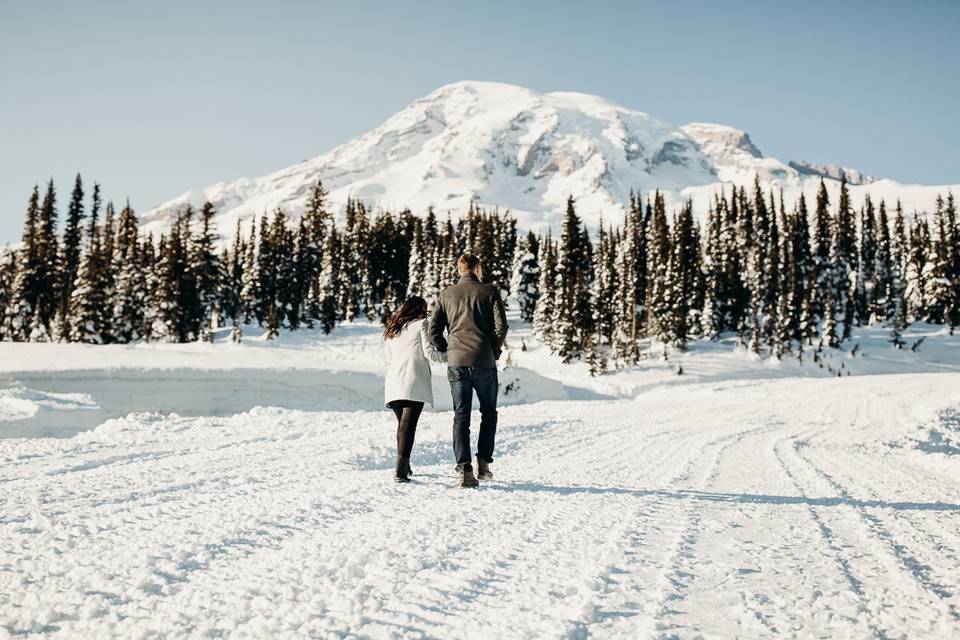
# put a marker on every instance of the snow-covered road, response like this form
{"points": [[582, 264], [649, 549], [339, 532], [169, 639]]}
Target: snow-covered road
{"points": [[792, 507]]}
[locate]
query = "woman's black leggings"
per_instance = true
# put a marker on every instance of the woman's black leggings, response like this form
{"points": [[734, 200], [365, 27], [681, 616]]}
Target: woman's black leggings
{"points": [[408, 413]]}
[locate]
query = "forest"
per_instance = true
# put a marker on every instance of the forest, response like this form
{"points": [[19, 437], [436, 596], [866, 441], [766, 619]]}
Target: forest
{"points": [[784, 278]]}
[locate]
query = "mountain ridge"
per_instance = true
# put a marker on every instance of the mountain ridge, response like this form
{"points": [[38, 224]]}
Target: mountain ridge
{"points": [[510, 147]]}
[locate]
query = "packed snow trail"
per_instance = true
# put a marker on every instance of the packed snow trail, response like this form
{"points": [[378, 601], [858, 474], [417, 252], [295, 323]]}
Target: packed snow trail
{"points": [[814, 507]]}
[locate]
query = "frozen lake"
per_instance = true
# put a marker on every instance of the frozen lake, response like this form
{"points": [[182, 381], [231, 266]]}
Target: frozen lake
{"points": [[62, 403]]}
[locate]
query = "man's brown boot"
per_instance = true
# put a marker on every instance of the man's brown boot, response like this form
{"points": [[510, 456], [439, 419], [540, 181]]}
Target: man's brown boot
{"points": [[483, 470]]}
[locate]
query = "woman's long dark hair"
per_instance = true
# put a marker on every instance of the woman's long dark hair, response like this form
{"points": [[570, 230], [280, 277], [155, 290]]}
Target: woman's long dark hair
{"points": [[415, 308]]}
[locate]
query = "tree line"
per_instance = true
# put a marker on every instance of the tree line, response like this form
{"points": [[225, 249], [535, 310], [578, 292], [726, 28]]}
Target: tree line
{"points": [[782, 279], [102, 281]]}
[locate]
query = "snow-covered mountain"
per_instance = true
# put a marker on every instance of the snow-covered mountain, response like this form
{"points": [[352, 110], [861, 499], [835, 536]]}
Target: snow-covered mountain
{"points": [[513, 148]]}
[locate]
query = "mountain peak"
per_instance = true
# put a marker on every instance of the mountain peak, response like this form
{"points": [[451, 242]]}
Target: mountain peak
{"points": [[507, 146]]}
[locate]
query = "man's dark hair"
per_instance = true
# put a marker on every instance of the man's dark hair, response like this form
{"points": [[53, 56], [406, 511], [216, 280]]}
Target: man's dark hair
{"points": [[467, 262]]}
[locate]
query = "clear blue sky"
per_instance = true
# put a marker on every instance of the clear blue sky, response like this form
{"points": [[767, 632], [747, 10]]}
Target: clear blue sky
{"points": [[152, 99]]}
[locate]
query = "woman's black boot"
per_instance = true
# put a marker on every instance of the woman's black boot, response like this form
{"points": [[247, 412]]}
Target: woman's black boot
{"points": [[402, 472]]}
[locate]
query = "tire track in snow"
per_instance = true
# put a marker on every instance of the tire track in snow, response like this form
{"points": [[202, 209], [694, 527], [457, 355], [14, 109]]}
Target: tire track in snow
{"points": [[831, 539], [908, 563], [846, 521], [669, 575]]}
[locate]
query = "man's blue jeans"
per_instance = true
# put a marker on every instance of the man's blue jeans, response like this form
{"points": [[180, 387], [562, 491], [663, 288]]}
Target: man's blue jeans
{"points": [[463, 382]]}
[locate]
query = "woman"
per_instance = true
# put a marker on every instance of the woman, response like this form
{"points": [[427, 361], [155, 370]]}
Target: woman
{"points": [[407, 386]]}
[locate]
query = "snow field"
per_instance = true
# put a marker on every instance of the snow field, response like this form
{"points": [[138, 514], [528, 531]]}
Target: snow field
{"points": [[773, 508]]}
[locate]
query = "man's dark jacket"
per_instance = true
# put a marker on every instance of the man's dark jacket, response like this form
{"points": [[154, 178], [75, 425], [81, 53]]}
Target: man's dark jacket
{"points": [[476, 323]]}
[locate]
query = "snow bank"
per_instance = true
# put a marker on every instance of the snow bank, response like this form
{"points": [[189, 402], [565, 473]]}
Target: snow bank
{"points": [[19, 403]]}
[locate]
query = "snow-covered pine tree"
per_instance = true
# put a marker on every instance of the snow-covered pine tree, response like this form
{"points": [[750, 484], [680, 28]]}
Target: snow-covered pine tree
{"points": [[87, 306], [148, 261], [918, 270], [953, 225], [205, 267], [820, 243], [69, 258], [231, 277], [526, 276], [843, 261], [189, 309], [250, 280], [127, 306], [803, 275], [8, 272], [684, 296], [165, 304], [287, 303], [659, 312], [899, 248], [451, 251], [772, 276], [417, 262], [881, 303], [712, 315], [317, 219], [631, 284], [47, 277], [545, 313], [301, 277], [107, 275], [758, 274], [574, 308], [328, 282], [864, 286], [24, 290], [786, 318], [266, 269], [354, 277], [939, 284], [605, 287]]}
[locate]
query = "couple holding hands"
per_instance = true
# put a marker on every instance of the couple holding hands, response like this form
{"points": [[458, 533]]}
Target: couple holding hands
{"points": [[472, 316]]}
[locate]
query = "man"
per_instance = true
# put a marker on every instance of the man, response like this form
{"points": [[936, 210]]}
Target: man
{"points": [[472, 313]]}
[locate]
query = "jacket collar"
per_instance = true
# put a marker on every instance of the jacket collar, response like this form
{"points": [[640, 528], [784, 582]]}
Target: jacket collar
{"points": [[470, 277]]}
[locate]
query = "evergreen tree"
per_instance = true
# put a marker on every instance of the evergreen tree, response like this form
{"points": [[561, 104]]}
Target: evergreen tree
{"points": [[47, 278], [328, 282], [250, 304], [574, 309], [881, 298], [25, 288], [205, 268], [266, 269], [126, 313], [8, 272], [822, 280], [684, 297], [632, 284], [843, 260], [69, 259], [165, 311], [940, 284], [545, 314], [918, 270], [711, 317], [865, 284], [953, 249], [526, 276], [659, 314], [605, 287]]}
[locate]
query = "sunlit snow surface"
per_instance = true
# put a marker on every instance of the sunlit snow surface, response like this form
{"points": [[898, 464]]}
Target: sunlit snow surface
{"points": [[743, 498]]}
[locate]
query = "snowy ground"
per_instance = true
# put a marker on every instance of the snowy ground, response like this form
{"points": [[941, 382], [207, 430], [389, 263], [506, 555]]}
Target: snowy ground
{"points": [[743, 498]]}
